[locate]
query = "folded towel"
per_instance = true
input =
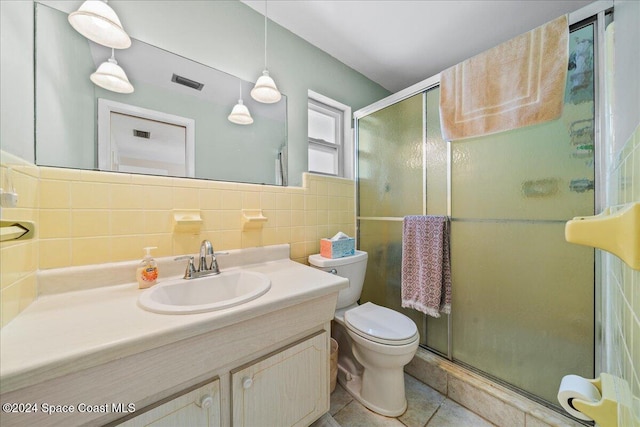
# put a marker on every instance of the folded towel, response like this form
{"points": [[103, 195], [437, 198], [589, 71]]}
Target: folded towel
{"points": [[426, 265], [518, 83]]}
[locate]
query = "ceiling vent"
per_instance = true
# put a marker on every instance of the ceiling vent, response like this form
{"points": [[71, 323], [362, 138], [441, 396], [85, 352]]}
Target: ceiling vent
{"points": [[187, 82], [142, 134]]}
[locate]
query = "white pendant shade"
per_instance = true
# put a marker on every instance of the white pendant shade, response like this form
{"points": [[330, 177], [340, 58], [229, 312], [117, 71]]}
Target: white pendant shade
{"points": [[240, 114], [111, 76], [98, 22], [265, 90]]}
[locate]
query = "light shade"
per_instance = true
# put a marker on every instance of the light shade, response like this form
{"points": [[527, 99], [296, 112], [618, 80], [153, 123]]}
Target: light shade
{"points": [[240, 114], [265, 90], [98, 22], [111, 76]]}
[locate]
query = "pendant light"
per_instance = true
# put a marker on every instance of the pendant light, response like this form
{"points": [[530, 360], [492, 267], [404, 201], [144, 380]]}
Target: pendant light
{"points": [[240, 114], [111, 76], [265, 89], [98, 22]]}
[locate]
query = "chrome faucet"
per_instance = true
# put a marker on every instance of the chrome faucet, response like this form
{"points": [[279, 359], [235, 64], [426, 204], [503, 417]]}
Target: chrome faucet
{"points": [[204, 268], [206, 249]]}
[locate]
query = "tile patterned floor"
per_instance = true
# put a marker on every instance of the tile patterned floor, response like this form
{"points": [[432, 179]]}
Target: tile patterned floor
{"points": [[426, 408]]}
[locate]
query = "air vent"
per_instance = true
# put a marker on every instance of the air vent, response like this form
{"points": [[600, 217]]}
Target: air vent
{"points": [[187, 82], [141, 133]]}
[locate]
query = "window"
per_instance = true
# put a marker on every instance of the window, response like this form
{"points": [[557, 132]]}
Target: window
{"points": [[329, 135]]}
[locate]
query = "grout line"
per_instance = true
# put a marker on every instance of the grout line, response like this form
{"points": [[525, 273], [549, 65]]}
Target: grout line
{"points": [[435, 412], [341, 409]]}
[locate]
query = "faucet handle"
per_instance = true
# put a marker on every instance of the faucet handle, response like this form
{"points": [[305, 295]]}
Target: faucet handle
{"points": [[189, 273]]}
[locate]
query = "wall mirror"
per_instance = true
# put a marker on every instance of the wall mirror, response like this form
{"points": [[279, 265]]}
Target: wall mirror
{"points": [[74, 129]]}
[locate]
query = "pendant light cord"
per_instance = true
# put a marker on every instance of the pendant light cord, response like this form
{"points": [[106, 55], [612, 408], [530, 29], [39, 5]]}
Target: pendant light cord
{"points": [[265, 34]]}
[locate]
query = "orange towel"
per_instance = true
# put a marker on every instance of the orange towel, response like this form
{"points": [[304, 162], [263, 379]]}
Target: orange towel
{"points": [[518, 83]]}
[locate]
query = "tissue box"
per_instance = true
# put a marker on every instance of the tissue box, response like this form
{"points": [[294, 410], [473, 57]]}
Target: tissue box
{"points": [[337, 248]]}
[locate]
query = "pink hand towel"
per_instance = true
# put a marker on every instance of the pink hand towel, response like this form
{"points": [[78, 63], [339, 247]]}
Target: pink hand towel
{"points": [[426, 265]]}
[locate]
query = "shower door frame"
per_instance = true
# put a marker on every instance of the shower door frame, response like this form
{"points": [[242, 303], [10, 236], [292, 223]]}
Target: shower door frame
{"points": [[594, 13]]}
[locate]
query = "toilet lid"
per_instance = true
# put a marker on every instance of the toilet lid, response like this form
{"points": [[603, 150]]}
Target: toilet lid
{"points": [[381, 324]]}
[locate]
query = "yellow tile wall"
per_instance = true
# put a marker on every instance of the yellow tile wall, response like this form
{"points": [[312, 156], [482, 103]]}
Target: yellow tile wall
{"points": [[621, 293], [88, 217], [18, 259], [91, 217]]}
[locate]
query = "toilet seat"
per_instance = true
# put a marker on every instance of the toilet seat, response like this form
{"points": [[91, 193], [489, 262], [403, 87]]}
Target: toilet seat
{"points": [[381, 325]]}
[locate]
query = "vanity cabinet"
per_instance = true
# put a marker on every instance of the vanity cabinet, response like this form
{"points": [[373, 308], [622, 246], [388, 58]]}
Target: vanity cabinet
{"points": [[199, 407], [286, 388], [266, 369]]}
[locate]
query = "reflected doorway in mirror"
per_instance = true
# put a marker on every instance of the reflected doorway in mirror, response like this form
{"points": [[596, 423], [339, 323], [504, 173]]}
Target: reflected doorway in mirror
{"points": [[137, 140]]}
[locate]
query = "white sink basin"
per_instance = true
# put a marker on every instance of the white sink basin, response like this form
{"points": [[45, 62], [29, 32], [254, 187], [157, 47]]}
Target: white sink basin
{"points": [[210, 293]]}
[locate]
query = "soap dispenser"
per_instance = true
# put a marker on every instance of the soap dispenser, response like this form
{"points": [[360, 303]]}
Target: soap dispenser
{"points": [[147, 271]]}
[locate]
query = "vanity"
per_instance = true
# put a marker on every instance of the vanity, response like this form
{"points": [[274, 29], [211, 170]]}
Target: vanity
{"points": [[92, 355]]}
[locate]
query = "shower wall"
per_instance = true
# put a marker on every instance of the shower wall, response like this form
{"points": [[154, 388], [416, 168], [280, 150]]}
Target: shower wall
{"points": [[621, 284], [523, 298], [621, 287]]}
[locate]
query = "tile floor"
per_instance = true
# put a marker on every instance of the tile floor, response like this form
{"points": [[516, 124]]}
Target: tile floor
{"points": [[426, 408]]}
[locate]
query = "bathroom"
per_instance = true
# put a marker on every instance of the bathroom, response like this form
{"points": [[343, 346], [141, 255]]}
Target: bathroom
{"points": [[85, 217]]}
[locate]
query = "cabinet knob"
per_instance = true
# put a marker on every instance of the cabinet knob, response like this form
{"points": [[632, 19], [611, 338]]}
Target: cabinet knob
{"points": [[247, 382], [206, 401]]}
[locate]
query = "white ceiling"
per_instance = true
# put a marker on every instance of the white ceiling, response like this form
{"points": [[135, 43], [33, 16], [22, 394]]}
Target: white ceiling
{"points": [[397, 43]]}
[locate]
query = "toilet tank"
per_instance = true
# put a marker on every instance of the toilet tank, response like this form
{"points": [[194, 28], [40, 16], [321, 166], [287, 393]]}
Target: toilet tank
{"points": [[351, 267]]}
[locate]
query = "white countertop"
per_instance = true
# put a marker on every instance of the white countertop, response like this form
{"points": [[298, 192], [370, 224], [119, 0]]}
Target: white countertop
{"points": [[67, 332]]}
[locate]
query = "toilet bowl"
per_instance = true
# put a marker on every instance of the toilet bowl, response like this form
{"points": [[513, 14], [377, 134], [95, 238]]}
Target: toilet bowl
{"points": [[375, 342]]}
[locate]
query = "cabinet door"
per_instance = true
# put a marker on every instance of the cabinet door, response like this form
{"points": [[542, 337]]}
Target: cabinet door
{"points": [[287, 388], [199, 407]]}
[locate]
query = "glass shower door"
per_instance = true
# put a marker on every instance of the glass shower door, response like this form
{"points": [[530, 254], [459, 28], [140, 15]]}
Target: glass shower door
{"points": [[390, 186], [523, 298], [402, 170]]}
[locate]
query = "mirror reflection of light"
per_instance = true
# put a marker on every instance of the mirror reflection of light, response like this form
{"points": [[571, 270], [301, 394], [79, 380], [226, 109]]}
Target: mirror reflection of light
{"points": [[111, 76], [240, 114]]}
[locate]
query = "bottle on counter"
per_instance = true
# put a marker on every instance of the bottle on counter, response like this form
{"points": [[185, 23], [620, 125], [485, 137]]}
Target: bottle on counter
{"points": [[147, 271]]}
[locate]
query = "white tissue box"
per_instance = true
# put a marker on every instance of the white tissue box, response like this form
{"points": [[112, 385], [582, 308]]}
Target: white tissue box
{"points": [[337, 248]]}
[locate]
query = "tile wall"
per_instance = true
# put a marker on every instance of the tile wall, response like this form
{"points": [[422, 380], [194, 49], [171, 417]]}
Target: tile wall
{"points": [[87, 217], [622, 284]]}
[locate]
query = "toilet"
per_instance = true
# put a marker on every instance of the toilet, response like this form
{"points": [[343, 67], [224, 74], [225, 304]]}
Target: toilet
{"points": [[375, 343]]}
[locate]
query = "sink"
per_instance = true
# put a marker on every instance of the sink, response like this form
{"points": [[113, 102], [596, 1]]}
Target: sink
{"points": [[210, 293]]}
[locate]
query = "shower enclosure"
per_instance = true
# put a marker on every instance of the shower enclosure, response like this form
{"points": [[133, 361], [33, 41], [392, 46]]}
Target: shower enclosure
{"points": [[523, 298]]}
